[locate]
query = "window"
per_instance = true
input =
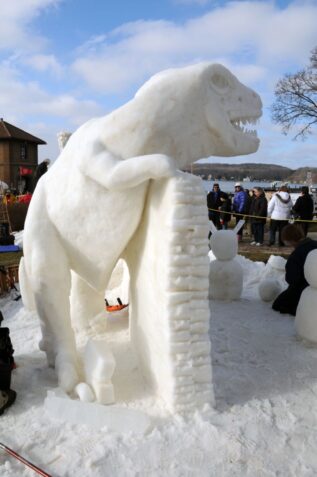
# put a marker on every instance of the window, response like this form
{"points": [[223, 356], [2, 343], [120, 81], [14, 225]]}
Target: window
{"points": [[24, 151]]}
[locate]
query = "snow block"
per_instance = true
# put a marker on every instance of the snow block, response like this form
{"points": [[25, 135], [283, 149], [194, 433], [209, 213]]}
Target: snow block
{"points": [[169, 308], [96, 416]]}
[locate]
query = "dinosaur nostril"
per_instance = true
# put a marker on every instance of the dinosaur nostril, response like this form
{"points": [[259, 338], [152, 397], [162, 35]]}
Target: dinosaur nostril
{"points": [[240, 99]]}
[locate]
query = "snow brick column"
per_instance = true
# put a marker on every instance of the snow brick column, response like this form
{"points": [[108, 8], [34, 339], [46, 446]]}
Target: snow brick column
{"points": [[169, 308]]}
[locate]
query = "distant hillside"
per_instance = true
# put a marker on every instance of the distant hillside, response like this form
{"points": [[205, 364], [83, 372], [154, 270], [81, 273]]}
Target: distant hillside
{"points": [[256, 172], [300, 175]]}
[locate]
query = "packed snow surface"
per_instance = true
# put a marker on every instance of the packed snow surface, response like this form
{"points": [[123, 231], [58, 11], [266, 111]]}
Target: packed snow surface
{"points": [[264, 424]]}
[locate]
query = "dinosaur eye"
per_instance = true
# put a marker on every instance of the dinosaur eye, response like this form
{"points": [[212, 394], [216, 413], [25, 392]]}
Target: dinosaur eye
{"points": [[220, 82]]}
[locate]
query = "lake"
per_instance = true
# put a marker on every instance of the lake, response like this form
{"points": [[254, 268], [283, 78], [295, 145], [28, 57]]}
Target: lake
{"points": [[228, 186]]}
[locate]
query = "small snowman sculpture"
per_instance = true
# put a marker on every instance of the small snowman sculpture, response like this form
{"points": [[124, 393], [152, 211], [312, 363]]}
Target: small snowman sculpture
{"points": [[306, 319], [225, 273], [275, 268], [272, 279]]}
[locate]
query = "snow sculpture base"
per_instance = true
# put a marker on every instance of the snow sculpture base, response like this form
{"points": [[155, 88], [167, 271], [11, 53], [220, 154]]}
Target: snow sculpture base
{"points": [[93, 415], [169, 308]]}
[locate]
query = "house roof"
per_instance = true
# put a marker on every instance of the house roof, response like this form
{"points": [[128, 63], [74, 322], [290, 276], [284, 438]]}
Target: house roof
{"points": [[8, 131]]}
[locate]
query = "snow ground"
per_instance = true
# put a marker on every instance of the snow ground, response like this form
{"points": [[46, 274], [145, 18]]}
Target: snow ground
{"points": [[265, 423]]}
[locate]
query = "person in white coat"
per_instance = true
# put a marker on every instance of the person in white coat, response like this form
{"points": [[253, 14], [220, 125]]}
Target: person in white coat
{"points": [[279, 209]]}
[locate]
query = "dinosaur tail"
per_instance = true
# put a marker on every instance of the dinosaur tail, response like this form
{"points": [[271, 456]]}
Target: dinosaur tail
{"points": [[26, 291]]}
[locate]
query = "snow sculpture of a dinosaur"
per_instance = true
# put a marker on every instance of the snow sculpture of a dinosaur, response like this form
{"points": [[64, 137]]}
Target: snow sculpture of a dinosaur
{"points": [[88, 206]]}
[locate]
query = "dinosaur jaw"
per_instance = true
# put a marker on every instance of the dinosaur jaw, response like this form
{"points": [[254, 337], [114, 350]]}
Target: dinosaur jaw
{"points": [[242, 125], [244, 132]]}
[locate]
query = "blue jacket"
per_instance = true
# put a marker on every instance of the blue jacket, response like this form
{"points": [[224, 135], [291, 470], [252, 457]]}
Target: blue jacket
{"points": [[239, 201]]}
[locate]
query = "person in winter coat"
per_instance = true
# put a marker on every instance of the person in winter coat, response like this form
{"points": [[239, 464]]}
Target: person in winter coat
{"points": [[214, 202], [258, 208], [225, 208], [288, 300], [279, 209], [304, 208], [239, 205], [41, 170], [248, 222]]}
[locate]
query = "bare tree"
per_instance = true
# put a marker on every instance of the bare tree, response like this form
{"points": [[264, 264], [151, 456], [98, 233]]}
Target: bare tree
{"points": [[296, 99]]}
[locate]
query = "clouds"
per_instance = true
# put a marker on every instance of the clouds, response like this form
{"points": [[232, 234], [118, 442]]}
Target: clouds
{"points": [[257, 40], [44, 63], [192, 2], [15, 19], [255, 35]]}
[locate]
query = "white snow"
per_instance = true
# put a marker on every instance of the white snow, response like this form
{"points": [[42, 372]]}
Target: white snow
{"points": [[264, 424], [305, 320]]}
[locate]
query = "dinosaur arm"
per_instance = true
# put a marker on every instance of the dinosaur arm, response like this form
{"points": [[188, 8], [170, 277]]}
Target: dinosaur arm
{"points": [[113, 173]]}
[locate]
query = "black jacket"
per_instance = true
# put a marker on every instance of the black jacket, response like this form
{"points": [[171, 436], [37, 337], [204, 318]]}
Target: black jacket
{"points": [[258, 207], [288, 300], [40, 171], [225, 207], [214, 199], [304, 207]]}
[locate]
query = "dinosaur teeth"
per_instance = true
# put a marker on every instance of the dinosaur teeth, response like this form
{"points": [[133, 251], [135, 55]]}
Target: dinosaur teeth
{"points": [[240, 124]]}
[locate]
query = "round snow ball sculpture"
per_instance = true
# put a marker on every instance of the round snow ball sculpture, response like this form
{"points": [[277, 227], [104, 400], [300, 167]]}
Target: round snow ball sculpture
{"points": [[310, 268], [277, 262], [269, 289], [224, 244]]}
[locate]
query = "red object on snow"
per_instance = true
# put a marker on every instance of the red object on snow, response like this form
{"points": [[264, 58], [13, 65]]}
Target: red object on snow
{"points": [[115, 307], [118, 307]]}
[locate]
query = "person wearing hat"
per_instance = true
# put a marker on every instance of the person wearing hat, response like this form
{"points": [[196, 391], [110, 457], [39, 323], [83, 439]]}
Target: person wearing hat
{"points": [[41, 170], [239, 205]]}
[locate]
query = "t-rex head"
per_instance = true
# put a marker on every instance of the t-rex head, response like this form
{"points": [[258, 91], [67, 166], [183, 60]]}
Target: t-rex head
{"points": [[191, 113]]}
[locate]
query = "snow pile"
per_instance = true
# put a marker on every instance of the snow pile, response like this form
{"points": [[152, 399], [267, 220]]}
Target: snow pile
{"points": [[264, 423]]}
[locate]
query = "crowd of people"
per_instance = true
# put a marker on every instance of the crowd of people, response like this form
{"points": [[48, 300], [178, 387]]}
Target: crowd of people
{"points": [[255, 209]]}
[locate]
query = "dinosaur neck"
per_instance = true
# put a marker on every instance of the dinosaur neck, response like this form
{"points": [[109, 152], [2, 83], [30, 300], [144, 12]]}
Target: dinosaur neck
{"points": [[155, 135]]}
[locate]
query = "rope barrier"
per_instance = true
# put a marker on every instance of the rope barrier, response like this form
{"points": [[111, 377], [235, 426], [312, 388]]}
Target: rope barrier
{"points": [[258, 216]]}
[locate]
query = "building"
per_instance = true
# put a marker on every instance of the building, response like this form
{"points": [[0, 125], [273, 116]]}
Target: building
{"points": [[18, 157]]}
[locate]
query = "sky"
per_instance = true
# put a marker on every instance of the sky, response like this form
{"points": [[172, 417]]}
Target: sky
{"points": [[63, 62]]}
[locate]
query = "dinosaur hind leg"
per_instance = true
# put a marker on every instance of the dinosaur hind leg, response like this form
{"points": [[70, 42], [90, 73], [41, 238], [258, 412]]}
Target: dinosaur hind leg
{"points": [[50, 277]]}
